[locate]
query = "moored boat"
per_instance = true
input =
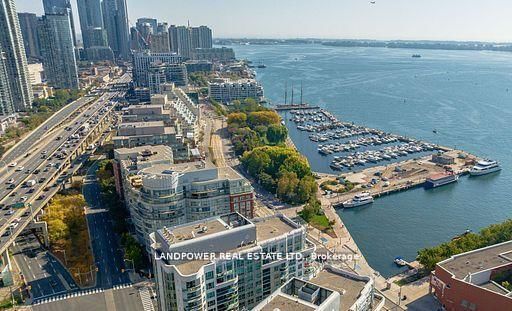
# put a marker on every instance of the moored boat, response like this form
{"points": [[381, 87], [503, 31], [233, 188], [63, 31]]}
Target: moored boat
{"points": [[360, 199], [485, 167], [441, 179]]}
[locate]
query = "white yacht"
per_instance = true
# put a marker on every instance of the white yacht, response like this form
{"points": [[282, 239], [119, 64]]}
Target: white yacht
{"points": [[485, 167], [362, 198]]}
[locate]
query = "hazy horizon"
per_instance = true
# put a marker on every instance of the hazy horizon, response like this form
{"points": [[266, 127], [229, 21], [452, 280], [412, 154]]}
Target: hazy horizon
{"points": [[433, 20]]}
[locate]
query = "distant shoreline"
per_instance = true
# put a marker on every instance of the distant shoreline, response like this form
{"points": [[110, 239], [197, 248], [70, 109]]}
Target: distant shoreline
{"points": [[393, 44]]}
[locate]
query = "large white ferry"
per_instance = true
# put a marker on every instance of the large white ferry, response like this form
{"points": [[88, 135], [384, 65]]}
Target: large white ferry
{"points": [[360, 199], [484, 167]]}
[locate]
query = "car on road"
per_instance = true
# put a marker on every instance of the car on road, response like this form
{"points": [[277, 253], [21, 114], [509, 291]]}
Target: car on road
{"points": [[9, 212], [10, 181], [31, 190], [13, 194], [11, 186], [41, 180], [30, 183], [37, 171], [41, 197], [27, 171], [23, 198], [19, 168], [13, 164]]}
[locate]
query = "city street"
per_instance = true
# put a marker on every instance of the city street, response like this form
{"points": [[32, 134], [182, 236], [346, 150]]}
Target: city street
{"points": [[105, 242], [131, 298], [41, 271]]}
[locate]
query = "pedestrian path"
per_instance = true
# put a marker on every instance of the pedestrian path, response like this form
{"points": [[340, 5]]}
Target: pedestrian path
{"points": [[145, 297]]}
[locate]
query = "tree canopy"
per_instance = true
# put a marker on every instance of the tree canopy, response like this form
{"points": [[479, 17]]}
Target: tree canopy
{"points": [[282, 170]]}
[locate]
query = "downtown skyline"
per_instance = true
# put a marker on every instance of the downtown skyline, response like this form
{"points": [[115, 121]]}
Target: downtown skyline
{"points": [[456, 20]]}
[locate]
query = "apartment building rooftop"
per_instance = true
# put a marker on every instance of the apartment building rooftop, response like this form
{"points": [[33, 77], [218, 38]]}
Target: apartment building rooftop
{"points": [[270, 227], [144, 153], [350, 288], [478, 260], [162, 169], [283, 303], [141, 124], [220, 228], [192, 231], [300, 295]]}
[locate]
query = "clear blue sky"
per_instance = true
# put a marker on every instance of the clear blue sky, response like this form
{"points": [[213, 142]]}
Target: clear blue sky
{"points": [[485, 20]]}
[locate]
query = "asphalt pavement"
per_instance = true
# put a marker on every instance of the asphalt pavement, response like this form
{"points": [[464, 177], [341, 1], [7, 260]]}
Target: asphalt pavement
{"points": [[105, 242], [41, 271], [42, 164]]}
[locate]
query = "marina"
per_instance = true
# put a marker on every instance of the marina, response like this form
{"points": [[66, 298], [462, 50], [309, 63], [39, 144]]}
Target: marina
{"points": [[355, 146], [448, 98]]}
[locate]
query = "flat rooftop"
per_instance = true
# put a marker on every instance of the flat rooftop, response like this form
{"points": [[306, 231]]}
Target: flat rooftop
{"points": [[177, 167], [267, 228], [493, 287], [283, 303], [483, 259], [228, 172], [198, 230], [142, 124], [148, 152], [349, 288]]}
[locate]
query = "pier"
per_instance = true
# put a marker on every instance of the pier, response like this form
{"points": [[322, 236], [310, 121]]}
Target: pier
{"points": [[294, 107], [412, 173]]}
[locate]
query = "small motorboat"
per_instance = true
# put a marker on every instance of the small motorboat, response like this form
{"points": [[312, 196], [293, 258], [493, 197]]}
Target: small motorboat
{"points": [[399, 261]]}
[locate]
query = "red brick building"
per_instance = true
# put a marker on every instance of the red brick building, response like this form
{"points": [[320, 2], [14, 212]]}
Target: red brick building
{"points": [[472, 281]]}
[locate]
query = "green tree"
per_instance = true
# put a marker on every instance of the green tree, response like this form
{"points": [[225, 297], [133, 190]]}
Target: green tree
{"points": [[257, 162], [237, 119], [287, 186], [263, 118], [306, 189], [276, 133], [267, 181]]}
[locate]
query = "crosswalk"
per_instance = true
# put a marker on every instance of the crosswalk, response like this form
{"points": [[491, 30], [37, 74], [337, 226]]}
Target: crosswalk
{"points": [[145, 297], [77, 294]]}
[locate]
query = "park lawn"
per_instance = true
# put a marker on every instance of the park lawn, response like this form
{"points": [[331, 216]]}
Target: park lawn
{"points": [[68, 231], [321, 222]]}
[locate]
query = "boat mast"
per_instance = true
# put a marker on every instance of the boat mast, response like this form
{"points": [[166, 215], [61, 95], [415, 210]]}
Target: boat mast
{"points": [[285, 92], [291, 102], [301, 102]]}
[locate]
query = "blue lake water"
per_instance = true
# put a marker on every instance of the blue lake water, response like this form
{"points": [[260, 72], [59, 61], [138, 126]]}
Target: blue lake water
{"points": [[465, 95]]}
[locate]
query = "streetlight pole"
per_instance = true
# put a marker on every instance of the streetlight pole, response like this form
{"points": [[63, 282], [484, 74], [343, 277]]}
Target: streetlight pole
{"points": [[133, 264]]}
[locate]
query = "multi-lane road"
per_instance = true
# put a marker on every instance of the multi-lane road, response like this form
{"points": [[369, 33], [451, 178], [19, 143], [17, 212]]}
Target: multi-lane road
{"points": [[32, 177], [29, 181], [105, 242], [41, 271], [25, 145]]}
